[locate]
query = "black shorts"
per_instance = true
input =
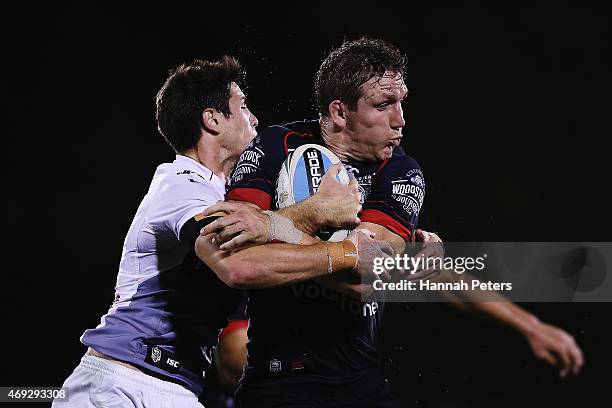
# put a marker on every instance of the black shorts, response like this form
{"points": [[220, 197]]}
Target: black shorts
{"points": [[369, 390]]}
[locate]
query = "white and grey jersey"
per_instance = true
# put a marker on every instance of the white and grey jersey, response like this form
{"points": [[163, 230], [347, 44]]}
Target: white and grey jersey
{"points": [[169, 306]]}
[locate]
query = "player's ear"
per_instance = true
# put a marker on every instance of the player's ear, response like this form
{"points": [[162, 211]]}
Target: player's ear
{"points": [[337, 113], [210, 120]]}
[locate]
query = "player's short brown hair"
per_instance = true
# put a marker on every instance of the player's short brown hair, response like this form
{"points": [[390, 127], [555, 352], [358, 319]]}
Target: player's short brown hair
{"points": [[352, 64]]}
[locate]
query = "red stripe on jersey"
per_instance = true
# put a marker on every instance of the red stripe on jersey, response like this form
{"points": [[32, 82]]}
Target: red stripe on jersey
{"points": [[379, 217], [383, 164], [234, 325], [395, 215], [294, 133], [252, 195]]}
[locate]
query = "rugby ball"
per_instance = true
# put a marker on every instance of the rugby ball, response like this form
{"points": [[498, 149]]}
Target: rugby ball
{"points": [[300, 177]]}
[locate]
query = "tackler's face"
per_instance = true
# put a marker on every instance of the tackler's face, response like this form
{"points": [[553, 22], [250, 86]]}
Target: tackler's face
{"points": [[376, 125], [240, 126]]}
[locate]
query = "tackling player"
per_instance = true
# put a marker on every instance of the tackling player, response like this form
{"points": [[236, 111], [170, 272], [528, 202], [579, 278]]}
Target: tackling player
{"points": [[158, 336]]}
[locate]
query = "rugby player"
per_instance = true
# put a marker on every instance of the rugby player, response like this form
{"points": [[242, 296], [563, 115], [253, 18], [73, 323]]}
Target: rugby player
{"points": [[157, 339], [310, 346]]}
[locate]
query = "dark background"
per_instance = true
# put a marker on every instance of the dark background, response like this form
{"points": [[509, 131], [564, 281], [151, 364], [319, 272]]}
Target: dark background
{"points": [[508, 115]]}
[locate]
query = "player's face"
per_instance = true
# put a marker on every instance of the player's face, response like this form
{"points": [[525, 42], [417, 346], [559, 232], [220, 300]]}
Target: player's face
{"points": [[376, 125], [240, 126]]}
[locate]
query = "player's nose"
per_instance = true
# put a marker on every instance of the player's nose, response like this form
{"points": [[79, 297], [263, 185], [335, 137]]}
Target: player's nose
{"points": [[397, 118]]}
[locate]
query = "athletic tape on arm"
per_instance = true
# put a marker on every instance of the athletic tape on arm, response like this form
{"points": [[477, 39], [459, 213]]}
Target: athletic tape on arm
{"points": [[282, 229]]}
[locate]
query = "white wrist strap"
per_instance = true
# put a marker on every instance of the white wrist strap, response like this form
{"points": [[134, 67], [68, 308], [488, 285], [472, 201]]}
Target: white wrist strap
{"points": [[282, 229]]}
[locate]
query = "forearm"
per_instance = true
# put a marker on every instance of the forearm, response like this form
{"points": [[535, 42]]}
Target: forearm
{"points": [[273, 264], [278, 264], [305, 215], [282, 229], [495, 306], [507, 313], [346, 284]]}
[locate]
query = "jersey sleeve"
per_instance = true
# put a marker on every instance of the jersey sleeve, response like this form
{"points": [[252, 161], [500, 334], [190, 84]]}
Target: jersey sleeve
{"points": [[397, 194], [179, 203], [254, 178]]}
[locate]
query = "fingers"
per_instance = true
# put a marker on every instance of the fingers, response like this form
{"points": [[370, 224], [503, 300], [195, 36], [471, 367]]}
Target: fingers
{"points": [[557, 348], [229, 232], [365, 231], [333, 171], [212, 209], [430, 250], [421, 236], [354, 190], [386, 275], [218, 224], [564, 361], [420, 275], [385, 248], [227, 207], [222, 206], [565, 353], [548, 357], [358, 291], [571, 355], [353, 187], [424, 236], [574, 354], [578, 357], [235, 243], [233, 237], [433, 237]]}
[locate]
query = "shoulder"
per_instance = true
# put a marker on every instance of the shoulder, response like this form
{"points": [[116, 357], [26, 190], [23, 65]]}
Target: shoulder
{"points": [[177, 182], [177, 193], [279, 137], [400, 164], [399, 175], [401, 160]]}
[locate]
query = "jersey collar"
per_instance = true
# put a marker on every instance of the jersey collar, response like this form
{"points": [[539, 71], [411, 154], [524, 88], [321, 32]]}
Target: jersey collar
{"points": [[205, 171]]}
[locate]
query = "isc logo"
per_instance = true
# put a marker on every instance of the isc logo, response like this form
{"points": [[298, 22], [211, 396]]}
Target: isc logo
{"points": [[172, 363], [314, 166]]}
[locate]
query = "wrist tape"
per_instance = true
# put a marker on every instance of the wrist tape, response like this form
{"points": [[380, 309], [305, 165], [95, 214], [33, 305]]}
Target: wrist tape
{"points": [[341, 255], [282, 229]]}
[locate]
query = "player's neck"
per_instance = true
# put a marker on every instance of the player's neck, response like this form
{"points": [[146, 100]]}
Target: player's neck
{"points": [[341, 144], [214, 158]]}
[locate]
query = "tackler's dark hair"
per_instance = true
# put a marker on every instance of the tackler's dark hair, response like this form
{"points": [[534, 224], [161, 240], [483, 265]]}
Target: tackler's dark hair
{"points": [[188, 90]]}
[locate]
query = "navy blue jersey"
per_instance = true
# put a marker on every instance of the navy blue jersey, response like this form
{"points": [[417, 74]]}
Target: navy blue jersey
{"points": [[306, 332]]}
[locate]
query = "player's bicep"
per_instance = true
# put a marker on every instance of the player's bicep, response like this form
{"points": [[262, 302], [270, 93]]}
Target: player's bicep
{"points": [[384, 234]]}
